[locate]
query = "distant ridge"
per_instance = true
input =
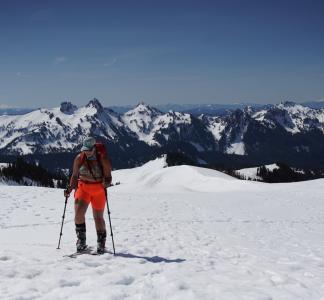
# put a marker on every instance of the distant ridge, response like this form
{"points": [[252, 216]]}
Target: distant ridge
{"points": [[287, 132], [218, 109], [15, 111], [212, 109]]}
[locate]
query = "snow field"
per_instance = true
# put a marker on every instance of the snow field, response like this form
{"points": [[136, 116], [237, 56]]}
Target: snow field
{"points": [[238, 240]]}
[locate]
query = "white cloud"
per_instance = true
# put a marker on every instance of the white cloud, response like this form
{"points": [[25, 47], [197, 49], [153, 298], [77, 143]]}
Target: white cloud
{"points": [[60, 60], [111, 63]]}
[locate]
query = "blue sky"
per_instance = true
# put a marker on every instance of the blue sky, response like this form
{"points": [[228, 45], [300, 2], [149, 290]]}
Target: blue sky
{"points": [[123, 52]]}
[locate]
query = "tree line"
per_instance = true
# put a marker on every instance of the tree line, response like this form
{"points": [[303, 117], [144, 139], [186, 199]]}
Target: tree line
{"points": [[27, 173], [283, 173]]}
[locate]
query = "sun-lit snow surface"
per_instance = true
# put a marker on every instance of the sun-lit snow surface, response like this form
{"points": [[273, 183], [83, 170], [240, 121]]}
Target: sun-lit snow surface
{"points": [[147, 122], [3, 165], [292, 117], [180, 233]]}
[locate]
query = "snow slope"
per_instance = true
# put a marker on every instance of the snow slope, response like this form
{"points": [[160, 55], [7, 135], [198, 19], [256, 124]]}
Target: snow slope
{"points": [[180, 233]]}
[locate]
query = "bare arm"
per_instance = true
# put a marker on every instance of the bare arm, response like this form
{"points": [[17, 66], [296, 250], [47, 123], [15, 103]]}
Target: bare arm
{"points": [[106, 166], [75, 173]]}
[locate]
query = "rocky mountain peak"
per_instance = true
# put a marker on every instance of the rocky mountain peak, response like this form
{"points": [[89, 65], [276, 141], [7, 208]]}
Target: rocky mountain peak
{"points": [[287, 103], [68, 108], [96, 104], [144, 109], [248, 110], [143, 106]]}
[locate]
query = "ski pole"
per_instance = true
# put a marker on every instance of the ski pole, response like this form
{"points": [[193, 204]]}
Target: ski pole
{"points": [[111, 232], [66, 199]]}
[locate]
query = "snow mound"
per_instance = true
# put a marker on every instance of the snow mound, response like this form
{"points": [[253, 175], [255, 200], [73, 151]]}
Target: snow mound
{"points": [[134, 174], [156, 175]]}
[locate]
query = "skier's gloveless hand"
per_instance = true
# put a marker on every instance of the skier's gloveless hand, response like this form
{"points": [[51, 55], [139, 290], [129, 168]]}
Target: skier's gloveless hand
{"points": [[107, 182], [67, 192]]}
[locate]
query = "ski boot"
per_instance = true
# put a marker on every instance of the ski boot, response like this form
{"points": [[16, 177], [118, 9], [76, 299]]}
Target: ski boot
{"points": [[101, 241], [80, 230]]}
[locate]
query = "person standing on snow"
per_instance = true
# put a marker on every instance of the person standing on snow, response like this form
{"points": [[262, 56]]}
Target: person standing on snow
{"points": [[90, 178]]}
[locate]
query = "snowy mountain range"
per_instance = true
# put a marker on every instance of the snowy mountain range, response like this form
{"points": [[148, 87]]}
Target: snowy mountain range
{"points": [[195, 109], [281, 131], [211, 109]]}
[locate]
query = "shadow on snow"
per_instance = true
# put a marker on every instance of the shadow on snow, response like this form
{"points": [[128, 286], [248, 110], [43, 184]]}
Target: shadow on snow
{"points": [[154, 259]]}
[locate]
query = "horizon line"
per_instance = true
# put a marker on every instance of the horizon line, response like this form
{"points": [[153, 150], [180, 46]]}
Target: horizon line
{"points": [[7, 107]]}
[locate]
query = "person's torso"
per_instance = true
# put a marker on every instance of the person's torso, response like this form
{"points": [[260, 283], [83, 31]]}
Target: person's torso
{"points": [[94, 174]]}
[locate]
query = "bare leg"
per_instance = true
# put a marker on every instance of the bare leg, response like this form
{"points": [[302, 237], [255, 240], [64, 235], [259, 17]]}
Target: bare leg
{"points": [[99, 220], [80, 208]]}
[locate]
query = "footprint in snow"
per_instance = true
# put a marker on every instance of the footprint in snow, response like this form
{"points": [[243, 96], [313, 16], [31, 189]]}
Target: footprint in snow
{"points": [[33, 274], [92, 264], [4, 258], [66, 283], [127, 280]]}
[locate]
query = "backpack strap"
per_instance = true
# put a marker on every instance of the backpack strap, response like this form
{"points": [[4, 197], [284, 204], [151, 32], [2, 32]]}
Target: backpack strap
{"points": [[99, 157], [84, 159], [90, 169], [101, 153]]}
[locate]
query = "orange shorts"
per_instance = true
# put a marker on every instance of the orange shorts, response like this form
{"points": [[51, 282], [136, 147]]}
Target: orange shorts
{"points": [[91, 192]]}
